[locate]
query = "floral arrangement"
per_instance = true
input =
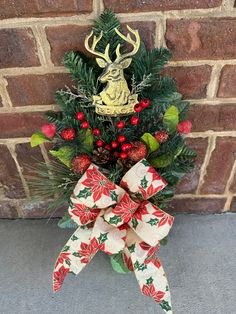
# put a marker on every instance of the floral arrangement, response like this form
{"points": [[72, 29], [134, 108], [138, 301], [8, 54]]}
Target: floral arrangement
{"points": [[118, 150]]}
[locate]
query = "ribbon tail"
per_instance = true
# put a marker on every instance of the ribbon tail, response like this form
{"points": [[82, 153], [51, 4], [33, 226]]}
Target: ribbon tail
{"points": [[75, 255], [151, 278]]}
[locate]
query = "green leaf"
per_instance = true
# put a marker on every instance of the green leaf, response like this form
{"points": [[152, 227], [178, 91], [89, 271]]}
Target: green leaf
{"points": [[67, 222], [171, 118], [66, 248], [102, 238], [150, 141], [144, 182], [38, 138], [118, 264], [113, 196], [149, 281], [115, 220], [84, 193], [165, 306], [153, 221], [73, 238], [134, 222], [76, 254], [164, 241], [64, 154], [161, 161], [67, 262], [131, 248], [88, 140]]}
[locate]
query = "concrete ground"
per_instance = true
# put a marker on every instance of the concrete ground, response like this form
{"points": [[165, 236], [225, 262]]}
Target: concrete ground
{"points": [[200, 260]]}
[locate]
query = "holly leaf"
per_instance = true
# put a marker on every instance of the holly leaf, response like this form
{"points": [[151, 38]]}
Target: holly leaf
{"points": [[67, 222], [113, 196], [66, 248], [144, 182], [38, 138], [165, 306], [134, 222], [102, 238], [67, 262], [74, 238], [171, 119], [153, 221], [150, 141], [85, 193], [131, 248], [149, 281], [76, 254], [115, 220], [64, 154], [118, 264]]}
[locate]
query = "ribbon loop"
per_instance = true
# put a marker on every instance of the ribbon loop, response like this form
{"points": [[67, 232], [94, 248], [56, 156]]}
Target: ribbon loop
{"points": [[122, 220]]}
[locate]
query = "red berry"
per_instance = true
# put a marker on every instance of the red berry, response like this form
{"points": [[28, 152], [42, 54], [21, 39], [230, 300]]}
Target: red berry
{"points": [[49, 129], [80, 163], [108, 147], [114, 144], [84, 125], [184, 127], [120, 124], [145, 102], [68, 134], [116, 154], [121, 138], [96, 132], [134, 120], [161, 136], [123, 155], [99, 143], [138, 108], [126, 147], [80, 116]]}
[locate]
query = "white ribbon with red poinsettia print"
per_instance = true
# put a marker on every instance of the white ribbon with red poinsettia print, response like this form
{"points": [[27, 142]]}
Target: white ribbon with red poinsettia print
{"points": [[116, 219]]}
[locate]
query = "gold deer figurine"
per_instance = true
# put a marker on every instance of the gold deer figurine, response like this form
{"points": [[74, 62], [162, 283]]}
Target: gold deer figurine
{"points": [[115, 98]]}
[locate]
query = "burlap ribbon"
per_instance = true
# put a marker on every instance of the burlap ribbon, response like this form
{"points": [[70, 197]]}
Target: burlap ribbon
{"points": [[116, 219]]}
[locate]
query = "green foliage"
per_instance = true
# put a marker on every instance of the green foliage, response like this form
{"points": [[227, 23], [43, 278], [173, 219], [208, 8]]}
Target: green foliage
{"points": [[171, 119], [64, 154], [150, 141], [107, 22], [38, 138], [67, 222], [118, 264]]}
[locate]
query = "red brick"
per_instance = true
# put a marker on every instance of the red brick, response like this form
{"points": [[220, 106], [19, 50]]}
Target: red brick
{"points": [[17, 48], [227, 82], [189, 183], [160, 5], [198, 205], [220, 166], [233, 205], [10, 182], [213, 117], [31, 209], [191, 81], [64, 38], [146, 32], [28, 157], [20, 124], [209, 38], [27, 90], [8, 209], [40, 8]]}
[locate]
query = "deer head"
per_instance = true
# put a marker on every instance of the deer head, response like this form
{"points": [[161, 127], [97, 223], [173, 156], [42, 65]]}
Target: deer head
{"points": [[113, 71]]}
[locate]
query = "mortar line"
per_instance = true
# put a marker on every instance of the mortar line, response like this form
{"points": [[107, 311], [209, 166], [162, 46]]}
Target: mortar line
{"points": [[6, 101], [11, 148], [227, 188], [199, 196], [43, 46], [213, 85], [203, 171], [227, 5]]}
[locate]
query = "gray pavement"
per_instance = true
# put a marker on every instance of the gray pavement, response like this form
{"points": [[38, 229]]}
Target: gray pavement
{"points": [[200, 260]]}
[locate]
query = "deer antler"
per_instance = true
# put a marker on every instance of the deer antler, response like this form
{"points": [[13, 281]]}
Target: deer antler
{"points": [[96, 39], [135, 43]]}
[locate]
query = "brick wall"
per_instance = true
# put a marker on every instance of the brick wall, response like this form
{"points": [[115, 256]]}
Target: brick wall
{"points": [[202, 36]]}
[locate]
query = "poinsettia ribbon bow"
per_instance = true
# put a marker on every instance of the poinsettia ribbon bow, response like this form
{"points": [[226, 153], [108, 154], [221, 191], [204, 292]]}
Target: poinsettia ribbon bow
{"points": [[116, 219]]}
